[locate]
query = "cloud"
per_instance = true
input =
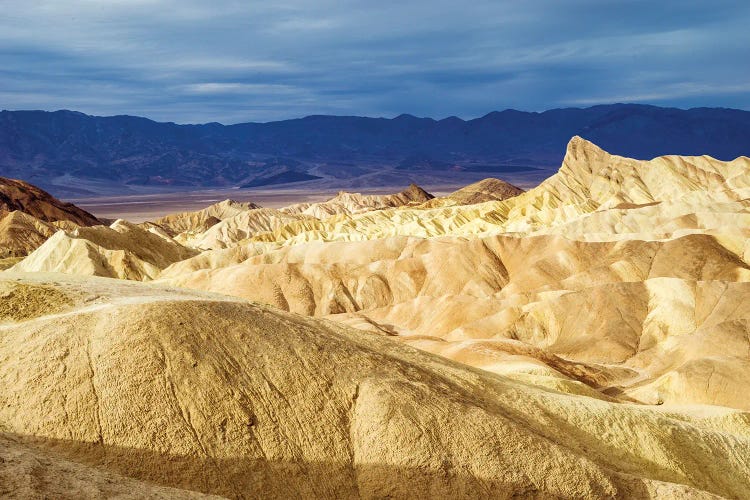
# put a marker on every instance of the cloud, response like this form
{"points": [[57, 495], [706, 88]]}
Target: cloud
{"points": [[233, 60], [668, 93], [237, 88]]}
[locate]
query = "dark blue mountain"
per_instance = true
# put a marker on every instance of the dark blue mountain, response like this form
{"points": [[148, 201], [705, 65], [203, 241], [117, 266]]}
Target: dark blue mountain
{"points": [[39, 146]]}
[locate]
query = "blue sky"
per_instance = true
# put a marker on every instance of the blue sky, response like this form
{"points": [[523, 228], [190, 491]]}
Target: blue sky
{"points": [[232, 61]]}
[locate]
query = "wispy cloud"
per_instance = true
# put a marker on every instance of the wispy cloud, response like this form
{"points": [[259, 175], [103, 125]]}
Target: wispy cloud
{"points": [[234, 60], [237, 88], [668, 93]]}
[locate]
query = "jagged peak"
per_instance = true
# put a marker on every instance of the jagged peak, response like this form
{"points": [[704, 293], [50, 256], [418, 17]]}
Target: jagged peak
{"points": [[578, 145]]}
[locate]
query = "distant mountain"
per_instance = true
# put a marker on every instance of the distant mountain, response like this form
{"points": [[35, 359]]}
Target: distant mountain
{"points": [[82, 152]]}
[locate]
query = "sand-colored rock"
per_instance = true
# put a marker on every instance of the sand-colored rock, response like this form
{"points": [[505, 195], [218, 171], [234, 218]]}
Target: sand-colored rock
{"points": [[591, 338], [29, 215], [452, 291], [643, 254], [353, 203], [122, 250], [27, 472], [198, 221], [213, 394], [606, 197], [237, 228], [21, 234]]}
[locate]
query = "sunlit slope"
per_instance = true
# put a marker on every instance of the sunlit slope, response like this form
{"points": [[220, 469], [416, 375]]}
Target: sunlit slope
{"points": [[200, 220], [668, 310], [20, 196], [239, 227], [614, 278], [352, 203], [217, 395], [601, 196], [29, 216], [122, 250]]}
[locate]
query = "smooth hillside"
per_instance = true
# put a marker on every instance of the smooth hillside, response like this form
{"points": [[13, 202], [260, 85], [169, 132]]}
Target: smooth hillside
{"points": [[217, 395]]}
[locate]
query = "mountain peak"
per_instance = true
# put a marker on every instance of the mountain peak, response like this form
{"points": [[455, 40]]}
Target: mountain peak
{"points": [[580, 150]]}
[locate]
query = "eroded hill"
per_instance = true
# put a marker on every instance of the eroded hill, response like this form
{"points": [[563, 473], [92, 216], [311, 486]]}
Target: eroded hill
{"points": [[213, 394], [591, 333]]}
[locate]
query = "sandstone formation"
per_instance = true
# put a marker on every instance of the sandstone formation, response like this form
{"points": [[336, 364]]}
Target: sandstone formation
{"points": [[352, 203], [28, 216], [239, 227], [21, 234], [217, 395], [587, 338], [122, 250], [191, 222], [653, 253]]}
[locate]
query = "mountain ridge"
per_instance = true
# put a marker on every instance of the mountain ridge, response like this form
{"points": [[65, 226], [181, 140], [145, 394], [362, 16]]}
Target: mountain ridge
{"points": [[83, 152]]}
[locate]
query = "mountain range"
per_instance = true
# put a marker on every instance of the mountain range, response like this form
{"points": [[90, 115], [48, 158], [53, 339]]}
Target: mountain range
{"points": [[77, 154]]}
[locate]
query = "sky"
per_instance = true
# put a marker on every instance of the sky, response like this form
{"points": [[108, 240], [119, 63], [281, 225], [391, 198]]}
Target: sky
{"points": [[190, 61]]}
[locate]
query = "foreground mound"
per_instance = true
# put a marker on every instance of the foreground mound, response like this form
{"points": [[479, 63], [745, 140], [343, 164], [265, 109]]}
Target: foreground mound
{"points": [[652, 320], [28, 472], [212, 394]]}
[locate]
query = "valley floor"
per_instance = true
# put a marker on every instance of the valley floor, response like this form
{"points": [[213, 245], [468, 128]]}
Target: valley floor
{"points": [[144, 207]]}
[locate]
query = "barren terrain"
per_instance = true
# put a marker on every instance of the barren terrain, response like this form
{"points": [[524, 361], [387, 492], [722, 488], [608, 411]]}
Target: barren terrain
{"points": [[585, 338]]}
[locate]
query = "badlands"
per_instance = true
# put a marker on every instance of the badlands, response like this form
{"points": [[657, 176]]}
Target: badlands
{"points": [[588, 338]]}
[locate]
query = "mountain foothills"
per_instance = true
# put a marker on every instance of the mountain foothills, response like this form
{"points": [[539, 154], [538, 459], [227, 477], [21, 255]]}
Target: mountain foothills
{"points": [[587, 338], [75, 154]]}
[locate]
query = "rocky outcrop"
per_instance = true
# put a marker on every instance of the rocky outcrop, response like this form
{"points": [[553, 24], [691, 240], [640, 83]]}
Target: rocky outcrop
{"points": [[23, 197]]}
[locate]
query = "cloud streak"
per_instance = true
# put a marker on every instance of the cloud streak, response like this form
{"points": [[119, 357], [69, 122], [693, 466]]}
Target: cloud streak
{"points": [[231, 61]]}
